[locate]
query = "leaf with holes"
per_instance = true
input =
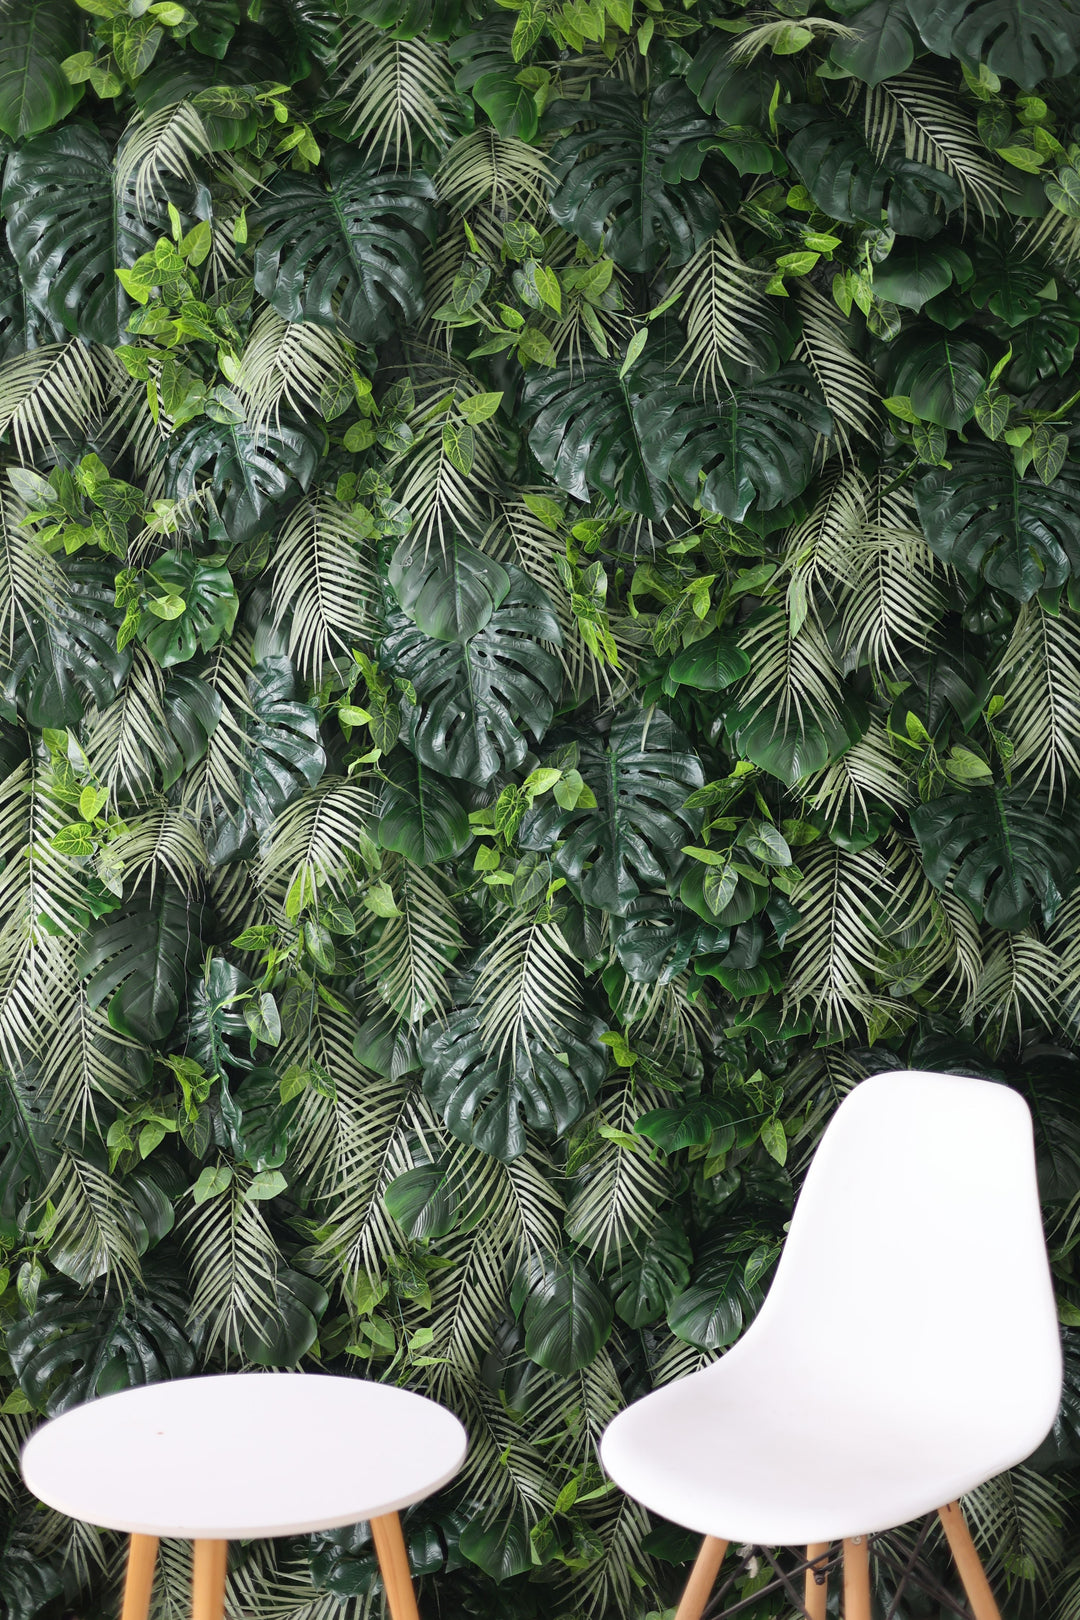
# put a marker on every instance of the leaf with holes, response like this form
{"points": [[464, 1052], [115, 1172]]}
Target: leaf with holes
{"points": [[140, 957], [474, 697], [632, 839], [1003, 852], [488, 1099], [345, 251]]}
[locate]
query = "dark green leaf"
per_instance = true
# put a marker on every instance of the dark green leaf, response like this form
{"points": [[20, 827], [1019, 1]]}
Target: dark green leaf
{"points": [[1004, 854], [420, 815], [35, 92]]}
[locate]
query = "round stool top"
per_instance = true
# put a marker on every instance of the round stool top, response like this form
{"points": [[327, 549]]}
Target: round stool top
{"points": [[244, 1455]]}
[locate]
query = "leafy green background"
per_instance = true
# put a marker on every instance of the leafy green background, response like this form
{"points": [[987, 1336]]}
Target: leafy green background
{"points": [[540, 618]]}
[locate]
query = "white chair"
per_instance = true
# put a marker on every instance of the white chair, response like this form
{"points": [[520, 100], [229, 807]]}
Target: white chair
{"points": [[907, 1350], [242, 1455]]}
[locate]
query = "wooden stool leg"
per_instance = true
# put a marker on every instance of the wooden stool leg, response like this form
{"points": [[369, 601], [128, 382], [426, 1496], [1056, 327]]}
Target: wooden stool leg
{"points": [[208, 1580], [394, 1566], [704, 1573], [968, 1564], [856, 1578], [139, 1580], [817, 1587]]}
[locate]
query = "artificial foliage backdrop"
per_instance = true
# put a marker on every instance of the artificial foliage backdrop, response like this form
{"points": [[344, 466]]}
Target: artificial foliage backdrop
{"points": [[539, 643]]}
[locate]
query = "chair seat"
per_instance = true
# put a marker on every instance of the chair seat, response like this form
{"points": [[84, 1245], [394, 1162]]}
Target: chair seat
{"points": [[757, 1460], [243, 1455]]}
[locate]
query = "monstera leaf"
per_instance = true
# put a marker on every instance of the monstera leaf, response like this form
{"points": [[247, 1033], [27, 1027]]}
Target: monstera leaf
{"points": [[713, 1311], [629, 177], [252, 475], [448, 592], [486, 69], [1003, 850], [849, 182], [345, 252], [980, 516], [140, 956], [283, 755], [488, 1099], [473, 698], [566, 1314], [35, 92], [632, 839], [756, 446], [649, 1279], [62, 662], [882, 42], [69, 231], [943, 374], [290, 1327], [206, 596], [77, 1343], [656, 937], [419, 813], [1023, 40], [588, 429]]}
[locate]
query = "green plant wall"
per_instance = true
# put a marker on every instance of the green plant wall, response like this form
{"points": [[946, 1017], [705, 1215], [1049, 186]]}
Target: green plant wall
{"points": [[540, 619]]}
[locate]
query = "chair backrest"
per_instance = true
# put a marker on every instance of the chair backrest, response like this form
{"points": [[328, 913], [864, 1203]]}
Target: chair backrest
{"points": [[915, 1269]]}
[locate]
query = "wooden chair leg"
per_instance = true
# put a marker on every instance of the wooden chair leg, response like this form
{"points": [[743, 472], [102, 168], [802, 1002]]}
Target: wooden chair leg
{"points": [[968, 1564], [702, 1577], [817, 1586], [856, 1578], [208, 1580], [139, 1580], [394, 1566]]}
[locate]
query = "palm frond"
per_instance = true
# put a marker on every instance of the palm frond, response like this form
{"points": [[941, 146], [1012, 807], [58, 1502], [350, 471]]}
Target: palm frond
{"points": [[401, 88], [939, 131], [867, 771], [158, 147], [323, 583], [57, 391], [817, 551], [85, 1060], [292, 363], [724, 313], [214, 787], [1040, 669], [314, 846], [847, 383], [792, 673], [31, 582], [894, 599], [611, 1583], [849, 904], [499, 172], [275, 1582], [234, 1263], [415, 950], [15, 1431], [1017, 986], [665, 1022], [767, 34], [441, 498], [621, 1187], [162, 839]]}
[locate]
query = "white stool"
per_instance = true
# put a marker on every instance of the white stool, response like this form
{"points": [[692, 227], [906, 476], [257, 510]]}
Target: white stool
{"points": [[246, 1455], [907, 1351]]}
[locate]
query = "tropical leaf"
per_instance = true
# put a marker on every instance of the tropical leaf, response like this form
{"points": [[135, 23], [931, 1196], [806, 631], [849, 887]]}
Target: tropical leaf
{"points": [[850, 182], [472, 696], [35, 92], [981, 517], [140, 958], [1025, 43], [633, 837], [69, 656], [401, 90], [996, 848], [631, 175], [70, 226], [348, 252], [251, 473], [323, 586], [1040, 670]]}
